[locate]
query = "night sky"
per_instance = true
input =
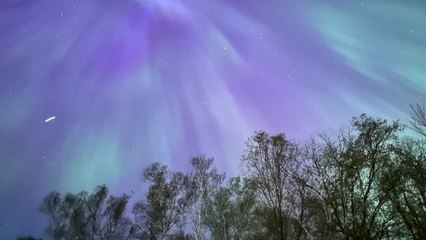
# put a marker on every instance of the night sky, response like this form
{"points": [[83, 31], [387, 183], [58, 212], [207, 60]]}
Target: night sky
{"points": [[92, 91]]}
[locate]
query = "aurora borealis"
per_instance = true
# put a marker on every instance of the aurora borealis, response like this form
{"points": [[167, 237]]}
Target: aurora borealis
{"points": [[129, 82]]}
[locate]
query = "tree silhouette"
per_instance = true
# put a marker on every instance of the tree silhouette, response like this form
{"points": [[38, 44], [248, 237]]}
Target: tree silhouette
{"points": [[405, 185], [230, 212], [362, 182], [165, 202], [418, 119], [204, 181], [268, 161], [350, 172], [84, 215]]}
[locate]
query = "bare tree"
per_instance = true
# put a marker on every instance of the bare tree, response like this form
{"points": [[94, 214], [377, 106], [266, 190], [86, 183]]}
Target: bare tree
{"points": [[166, 202], [231, 211], [364, 182], [405, 185], [268, 161], [205, 181], [84, 215], [350, 171], [418, 119]]}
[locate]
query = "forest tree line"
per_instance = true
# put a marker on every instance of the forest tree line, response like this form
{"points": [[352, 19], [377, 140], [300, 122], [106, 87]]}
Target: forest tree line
{"points": [[365, 181]]}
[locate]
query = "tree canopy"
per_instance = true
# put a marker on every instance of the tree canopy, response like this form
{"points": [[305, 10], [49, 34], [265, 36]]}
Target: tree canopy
{"points": [[365, 181]]}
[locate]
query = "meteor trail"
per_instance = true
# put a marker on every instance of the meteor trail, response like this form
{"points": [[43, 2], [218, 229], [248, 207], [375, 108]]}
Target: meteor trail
{"points": [[49, 119]]}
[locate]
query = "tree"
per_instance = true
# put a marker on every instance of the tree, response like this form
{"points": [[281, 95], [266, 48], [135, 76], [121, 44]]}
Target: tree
{"points": [[231, 211], [418, 119], [204, 181], [268, 161], [319, 211], [84, 215], [306, 218], [350, 171], [165, 202], [364, 182], [405, 185]]}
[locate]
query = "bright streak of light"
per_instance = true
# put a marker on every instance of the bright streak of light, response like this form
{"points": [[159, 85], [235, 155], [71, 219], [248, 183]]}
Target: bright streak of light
{"points": [[49, 119]]}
